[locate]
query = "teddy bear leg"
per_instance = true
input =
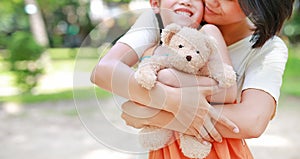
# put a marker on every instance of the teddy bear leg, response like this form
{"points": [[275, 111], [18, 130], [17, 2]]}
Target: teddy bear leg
{"points": [[154, 138], [229, 77], [223, 73], [192, 148]]}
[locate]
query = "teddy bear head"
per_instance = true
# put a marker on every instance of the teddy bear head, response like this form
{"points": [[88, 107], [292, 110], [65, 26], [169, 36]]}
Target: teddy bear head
{"points": [[190, 48]]}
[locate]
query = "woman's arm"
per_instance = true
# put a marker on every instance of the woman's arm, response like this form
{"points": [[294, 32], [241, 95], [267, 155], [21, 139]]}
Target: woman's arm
{"points": [[252, 115]]}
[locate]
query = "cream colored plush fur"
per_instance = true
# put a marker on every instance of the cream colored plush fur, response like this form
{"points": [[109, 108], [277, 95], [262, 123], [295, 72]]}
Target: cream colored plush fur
{"points": [[191, 51]]}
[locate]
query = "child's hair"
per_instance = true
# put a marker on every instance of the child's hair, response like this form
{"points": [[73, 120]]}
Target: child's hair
{"points": [[268, 16]]}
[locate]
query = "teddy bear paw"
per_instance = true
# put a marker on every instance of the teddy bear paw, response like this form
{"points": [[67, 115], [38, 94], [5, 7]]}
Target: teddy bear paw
{"points": [[154, 138], [192, 148], [145, 78], [229, 77]]}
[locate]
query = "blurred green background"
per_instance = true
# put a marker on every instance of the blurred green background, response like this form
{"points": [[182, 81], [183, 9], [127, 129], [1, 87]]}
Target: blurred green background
{"points": [[39, 39]]}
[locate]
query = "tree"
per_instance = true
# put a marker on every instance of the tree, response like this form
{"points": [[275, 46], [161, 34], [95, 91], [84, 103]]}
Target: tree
{"points": [[37, 25]]}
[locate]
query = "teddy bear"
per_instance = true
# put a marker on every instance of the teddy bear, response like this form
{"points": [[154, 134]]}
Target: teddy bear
{"points": [[190, 51]]}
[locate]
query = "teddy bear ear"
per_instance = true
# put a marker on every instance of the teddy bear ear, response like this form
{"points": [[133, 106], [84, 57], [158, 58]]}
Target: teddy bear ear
{"points": [[168, 33]]}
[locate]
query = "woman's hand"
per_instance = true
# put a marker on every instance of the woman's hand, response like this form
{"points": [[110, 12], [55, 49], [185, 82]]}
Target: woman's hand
{"points": [[206, 116], [197, 114], [138, 116]]}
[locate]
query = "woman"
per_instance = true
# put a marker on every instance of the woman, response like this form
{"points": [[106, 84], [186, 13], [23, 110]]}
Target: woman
{"points": [[259, 64]]}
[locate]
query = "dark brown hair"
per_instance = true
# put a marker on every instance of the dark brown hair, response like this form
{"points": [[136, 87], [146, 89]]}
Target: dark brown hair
{"points": [[268, 16]]}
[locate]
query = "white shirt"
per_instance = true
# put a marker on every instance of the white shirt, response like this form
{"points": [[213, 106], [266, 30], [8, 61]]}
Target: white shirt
{"points": [[143, 34], [260, 68]]}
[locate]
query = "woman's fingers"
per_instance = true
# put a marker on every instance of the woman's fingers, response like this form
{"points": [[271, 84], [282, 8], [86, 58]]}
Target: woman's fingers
{"points": [[205, 134], [132, 121], [212, 131], [221, 119], [139, 111]]}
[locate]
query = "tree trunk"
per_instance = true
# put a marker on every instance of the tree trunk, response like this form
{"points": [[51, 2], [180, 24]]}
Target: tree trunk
{"points": [[37, 24]]}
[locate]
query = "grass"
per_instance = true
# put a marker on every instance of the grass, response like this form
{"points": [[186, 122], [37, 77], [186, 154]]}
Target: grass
{"points": [[83, 93], [62, 60], [291, 78], [72, 53]]}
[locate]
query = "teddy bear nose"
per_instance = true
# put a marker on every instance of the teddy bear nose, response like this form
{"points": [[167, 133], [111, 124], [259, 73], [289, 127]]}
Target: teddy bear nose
{"points": [[188, 58]]}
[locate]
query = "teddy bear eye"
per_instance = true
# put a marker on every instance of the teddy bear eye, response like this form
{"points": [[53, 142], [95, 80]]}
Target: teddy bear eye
{"points": [[198, 52], [180, 46]]}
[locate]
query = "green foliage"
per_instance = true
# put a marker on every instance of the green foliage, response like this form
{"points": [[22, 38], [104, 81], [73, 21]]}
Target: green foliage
{"points": [[291, 75], [23, 47], [82, 93], [117, 1], [292, 26], [25, 60], [12, 18], [67, 21]]}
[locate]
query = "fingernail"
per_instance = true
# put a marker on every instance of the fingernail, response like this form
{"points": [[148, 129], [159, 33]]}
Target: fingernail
{"points": [[205, 143], [236, 130]]}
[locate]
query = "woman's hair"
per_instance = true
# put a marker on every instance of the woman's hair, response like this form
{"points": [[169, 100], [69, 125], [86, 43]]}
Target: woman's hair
{"points": [[268, 16]]}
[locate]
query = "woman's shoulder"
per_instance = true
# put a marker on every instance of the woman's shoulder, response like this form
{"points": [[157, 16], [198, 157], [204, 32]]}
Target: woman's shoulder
{"points": [[247, 42], [274, 49], [275, 41], [274, 45]]}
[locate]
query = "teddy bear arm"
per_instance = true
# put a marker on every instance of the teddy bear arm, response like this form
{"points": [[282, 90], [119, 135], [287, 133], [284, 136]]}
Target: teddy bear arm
{"points": [[222, 73], [146, 74]]}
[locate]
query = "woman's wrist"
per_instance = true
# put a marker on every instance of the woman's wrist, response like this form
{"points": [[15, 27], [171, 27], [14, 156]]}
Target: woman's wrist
{"points": [[165, 97]]}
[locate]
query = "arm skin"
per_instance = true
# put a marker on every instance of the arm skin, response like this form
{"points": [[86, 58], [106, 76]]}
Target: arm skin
{"points": [[114, 68], [174, 78], [252, 115], [113, 73]]}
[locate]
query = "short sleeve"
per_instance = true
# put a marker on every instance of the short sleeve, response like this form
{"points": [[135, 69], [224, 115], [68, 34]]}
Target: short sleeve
{"points": [[143, 34], [265, 70]]}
